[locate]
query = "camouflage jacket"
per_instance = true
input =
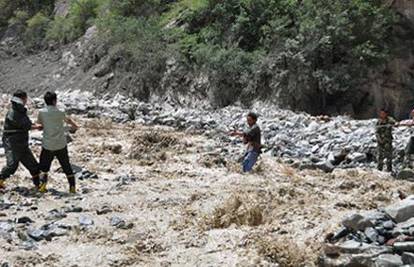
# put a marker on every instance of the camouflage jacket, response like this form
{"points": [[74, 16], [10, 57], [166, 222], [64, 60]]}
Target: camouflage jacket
{"points": [[384, 130]]}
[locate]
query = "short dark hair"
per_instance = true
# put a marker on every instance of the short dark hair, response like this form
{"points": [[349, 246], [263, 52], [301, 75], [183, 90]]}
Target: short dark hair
{"points": [[385, 110], [50, 98], [252, 115], [20, 94]]}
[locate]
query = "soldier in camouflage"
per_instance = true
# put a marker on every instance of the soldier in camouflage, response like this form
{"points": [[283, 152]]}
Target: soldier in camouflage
{"points": [[384, 129]]}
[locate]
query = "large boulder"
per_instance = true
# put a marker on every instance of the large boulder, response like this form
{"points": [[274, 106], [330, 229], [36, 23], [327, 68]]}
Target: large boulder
{"points": [[401, 211]]}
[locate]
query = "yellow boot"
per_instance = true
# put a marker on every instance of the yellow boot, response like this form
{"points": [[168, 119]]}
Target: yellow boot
{"points": [[2, 184], [72, 189], [43, 188], [43, 182]]}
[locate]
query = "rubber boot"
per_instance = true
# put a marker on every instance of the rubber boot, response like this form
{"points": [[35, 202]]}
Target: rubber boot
{"points": [[72, 184], [43, 182], [36, 181]]}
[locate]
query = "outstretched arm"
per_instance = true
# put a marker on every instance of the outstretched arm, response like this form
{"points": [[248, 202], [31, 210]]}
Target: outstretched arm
{"points": [[72, 123]]}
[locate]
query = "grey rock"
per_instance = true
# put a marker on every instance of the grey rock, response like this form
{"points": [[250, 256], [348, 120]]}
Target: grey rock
{"points": [[28, 245], [56, 215], [371, 234], [24, 220], [325, 166], [406, 174], [356, 222], [6, 227], [389, 225], [402, 210], [35, 234], [404, 246], [103, 210], [85, 220], [408, 258], [388, 260], [357, 157], [117, 221]]}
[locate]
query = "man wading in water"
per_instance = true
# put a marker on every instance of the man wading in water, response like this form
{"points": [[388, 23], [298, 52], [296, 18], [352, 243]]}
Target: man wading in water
{"points": [[16, 140], [251, 137]]}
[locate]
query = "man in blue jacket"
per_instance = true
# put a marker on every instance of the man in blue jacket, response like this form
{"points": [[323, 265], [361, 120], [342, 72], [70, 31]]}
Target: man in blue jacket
{"points": [[16, 140]]}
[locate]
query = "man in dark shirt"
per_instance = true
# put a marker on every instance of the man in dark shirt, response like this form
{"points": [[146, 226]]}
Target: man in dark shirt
{"points": [[252, 138], [16, 140]]}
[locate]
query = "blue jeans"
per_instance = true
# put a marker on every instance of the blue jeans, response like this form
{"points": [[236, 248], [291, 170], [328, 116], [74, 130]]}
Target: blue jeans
{"points": [[250, 159]]}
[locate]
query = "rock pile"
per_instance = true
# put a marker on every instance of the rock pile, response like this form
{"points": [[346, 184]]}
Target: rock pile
{"points": [[379, 238], [308, 142]]}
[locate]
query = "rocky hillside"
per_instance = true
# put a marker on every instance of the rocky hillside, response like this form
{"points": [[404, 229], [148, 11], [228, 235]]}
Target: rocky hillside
{"points": [[322, 59]]}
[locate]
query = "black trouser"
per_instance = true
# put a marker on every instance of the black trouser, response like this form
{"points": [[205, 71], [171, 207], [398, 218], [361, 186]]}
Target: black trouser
{"points": [[16, 155], [46, 158]]}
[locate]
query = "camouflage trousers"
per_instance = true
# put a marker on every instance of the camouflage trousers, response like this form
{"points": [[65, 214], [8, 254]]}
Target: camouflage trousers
{"points": [[409, 151], [385, 151]]}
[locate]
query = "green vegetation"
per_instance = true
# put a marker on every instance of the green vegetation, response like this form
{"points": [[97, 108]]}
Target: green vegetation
{"points": [[247, 47]]}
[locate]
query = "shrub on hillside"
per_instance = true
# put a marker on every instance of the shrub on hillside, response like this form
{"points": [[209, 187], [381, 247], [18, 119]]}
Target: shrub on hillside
{"points": [[36, 31]]}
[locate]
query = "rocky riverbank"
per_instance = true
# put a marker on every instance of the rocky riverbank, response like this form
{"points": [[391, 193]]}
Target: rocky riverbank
{"points": [[302, 140], [150, 194], [378, 238]]}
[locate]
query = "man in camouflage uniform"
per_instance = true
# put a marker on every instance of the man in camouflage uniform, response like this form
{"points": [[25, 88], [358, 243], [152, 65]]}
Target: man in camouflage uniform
{"points": [[384, 128], [409, 149]]}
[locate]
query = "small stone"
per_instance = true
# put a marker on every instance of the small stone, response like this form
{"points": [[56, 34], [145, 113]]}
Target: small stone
{"points": [[117, 222], [371, 234], [6, 227], [35, 234], [85, 220], [104, 210], [24, 220], [28, 245], [56, 215], [389, 225]]}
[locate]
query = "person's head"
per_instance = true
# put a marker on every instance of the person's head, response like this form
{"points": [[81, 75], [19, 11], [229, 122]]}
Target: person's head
{"points": [[22, 95], [383, 114], [50, 98], [412, 114], [251, 118]]}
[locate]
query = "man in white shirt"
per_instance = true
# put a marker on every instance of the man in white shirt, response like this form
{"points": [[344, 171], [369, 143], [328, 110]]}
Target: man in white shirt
{"points": [[54, 141]]}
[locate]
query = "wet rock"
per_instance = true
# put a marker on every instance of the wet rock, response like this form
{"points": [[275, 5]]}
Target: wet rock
{"points": [[73, 209], [356, 222], [389, 260], [28, 245], [371, 234], [85, 220], [325, 166], [406, 174], [402, 210], [6, 227], [85, 174], [120, 223], [104, 210], [408, 258], [357, 157], [24, 220], [35, 234], [6, 236], [404, 246], [56, 215], [117, 221]]}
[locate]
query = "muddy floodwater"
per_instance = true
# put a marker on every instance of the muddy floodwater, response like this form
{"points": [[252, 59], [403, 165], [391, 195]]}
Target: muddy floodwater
{"points": [[152, 196]]}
